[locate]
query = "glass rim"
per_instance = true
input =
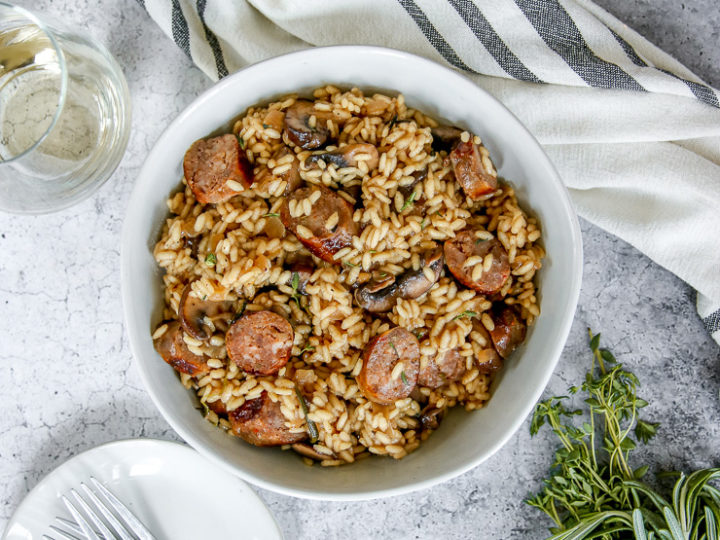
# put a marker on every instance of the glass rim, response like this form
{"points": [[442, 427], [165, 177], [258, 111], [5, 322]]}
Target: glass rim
{"points": [[63, 77]]}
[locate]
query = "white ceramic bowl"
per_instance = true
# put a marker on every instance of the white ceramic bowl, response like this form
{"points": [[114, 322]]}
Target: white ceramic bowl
{"points": [[464, 440]]}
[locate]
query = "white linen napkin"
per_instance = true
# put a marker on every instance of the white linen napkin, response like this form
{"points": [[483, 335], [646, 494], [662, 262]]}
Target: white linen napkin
{"points": [[634, 134]]}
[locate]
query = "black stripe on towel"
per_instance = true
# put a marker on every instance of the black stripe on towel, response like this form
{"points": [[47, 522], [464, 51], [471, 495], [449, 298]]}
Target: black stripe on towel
{"points": [[629, 51], [486, 34], [561, 34], [433, 36], [212, 40], [142, 4], [712, 322], [700, 91], [180, 32]]}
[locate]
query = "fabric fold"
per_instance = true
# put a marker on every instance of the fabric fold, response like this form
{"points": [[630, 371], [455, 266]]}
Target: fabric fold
{"points": [[634, 134]]}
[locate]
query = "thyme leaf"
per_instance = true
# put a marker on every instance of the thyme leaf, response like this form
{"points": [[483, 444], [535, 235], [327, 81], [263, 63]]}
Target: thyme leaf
{"points": [[312, 428], [271, 214], [591, 490], [210, 259], [403, 377], [465, 314], [409, 201]]}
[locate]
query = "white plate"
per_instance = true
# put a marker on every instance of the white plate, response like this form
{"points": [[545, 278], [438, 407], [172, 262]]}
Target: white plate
{"points": [[174, 491]]}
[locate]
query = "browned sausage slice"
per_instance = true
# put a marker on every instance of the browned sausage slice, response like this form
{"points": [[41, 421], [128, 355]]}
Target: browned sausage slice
{"points": [[488, 360], [299, 128], [380, 380], [217, 406], [175, 352], [509, 329], [261, 422], [473, 169], [438, 372], [260, 342], [210, 163], [465, 245], [312, 231]]}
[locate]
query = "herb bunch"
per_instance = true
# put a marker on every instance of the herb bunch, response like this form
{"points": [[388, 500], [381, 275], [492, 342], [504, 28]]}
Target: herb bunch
{"points": [[592, 491]]}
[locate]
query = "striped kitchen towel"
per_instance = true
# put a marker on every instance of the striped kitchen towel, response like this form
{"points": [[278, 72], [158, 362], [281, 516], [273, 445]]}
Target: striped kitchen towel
{"points": [[634, 134]]}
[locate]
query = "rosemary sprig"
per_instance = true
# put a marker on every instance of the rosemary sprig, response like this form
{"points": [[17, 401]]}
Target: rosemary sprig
{"points": [[592, 491]]}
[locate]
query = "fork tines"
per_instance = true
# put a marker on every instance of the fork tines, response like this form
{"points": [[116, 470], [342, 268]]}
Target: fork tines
{"points": [[95, 519]]}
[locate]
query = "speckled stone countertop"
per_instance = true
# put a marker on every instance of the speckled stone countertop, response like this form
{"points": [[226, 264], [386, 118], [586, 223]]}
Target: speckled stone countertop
{"points": [[69, 383]]}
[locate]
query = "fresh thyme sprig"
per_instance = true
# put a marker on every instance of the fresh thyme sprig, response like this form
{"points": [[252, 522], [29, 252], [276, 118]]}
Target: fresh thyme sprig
{"points": [[592, 491]]}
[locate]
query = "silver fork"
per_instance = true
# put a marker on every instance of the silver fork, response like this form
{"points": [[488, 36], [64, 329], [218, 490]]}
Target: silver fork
{"points": [[118, 524]]}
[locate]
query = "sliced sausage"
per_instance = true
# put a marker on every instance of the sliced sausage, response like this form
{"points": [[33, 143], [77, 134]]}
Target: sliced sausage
{"points": [[473, 169], [465, 245], [195, 314], [298, 128], [379, 296], [175, 352], [217, 406], [210, 163], [380, 358], [488, 360], [348, 155], [260, 342], [442, 370], [509, 331], [321, 241], [261, 422], [445, 137]]}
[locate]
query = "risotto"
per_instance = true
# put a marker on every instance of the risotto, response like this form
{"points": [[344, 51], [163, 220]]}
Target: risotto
{"points": [[339, 272]]}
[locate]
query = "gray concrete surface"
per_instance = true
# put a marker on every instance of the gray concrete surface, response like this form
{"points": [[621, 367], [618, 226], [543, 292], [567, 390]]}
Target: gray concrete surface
{"points": [[69, 383]]}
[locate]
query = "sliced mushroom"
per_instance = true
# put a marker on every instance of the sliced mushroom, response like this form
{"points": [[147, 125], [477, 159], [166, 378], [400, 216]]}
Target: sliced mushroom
{"points": [[419, 176], [304, 449], [445, 137], [379, 296], [414, 283], [431, 416], [274, 227], [349, 156], [292, 175], [301, 130], [198, 316]]}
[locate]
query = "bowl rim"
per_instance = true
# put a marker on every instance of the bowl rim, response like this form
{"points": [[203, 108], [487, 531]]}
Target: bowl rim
{"points": [[205, 447]]}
